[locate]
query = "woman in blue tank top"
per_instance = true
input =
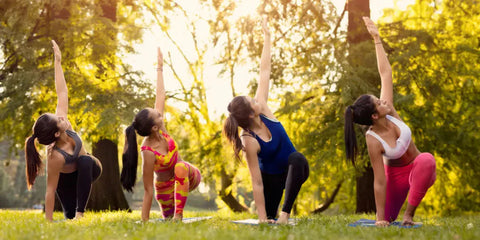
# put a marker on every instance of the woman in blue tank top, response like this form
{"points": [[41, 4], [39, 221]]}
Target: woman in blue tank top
{"points": [[273, 162], [70, 169]]}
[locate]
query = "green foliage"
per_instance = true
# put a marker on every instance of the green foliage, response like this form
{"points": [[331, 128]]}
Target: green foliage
{"points": [[103, 91], [115, 225], [433, 47], [13, 190], [435, 53]]}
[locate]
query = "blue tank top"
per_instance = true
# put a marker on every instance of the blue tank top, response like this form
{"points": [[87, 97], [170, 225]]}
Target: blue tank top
{"points": [[273, 155]]}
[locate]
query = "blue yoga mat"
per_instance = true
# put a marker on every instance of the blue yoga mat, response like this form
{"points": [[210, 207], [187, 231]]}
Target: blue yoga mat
{"points": [[251, 221], [371, 223]]}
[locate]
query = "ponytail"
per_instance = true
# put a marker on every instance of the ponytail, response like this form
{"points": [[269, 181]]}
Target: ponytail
{"points": [[240, 111], [350, 137], [129, 159], [230, 130], [33, 161]]}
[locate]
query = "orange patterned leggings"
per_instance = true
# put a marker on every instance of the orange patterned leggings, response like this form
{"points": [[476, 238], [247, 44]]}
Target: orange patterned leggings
{"points": [[172, 194]]}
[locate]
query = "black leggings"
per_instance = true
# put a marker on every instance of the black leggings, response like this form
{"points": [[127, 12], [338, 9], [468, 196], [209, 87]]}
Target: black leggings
{"points": [[73, 189], [291, 181]]}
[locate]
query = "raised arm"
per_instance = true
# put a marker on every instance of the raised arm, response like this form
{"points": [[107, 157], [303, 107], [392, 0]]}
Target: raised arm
{"points": [[160, 90], [265, 66], [60, 85], [384, 68]]}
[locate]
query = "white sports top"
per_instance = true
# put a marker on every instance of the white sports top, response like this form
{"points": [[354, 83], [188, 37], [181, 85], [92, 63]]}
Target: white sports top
{"points": [[402, 142]]}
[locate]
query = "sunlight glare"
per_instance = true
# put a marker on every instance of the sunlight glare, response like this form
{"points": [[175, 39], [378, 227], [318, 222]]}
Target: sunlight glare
{"points": [[245, 8]]}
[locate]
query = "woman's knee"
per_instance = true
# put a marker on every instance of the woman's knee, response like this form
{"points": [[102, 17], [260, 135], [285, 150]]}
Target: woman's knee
{"points": [[84, 162], [426, 161], [299, 163], [297, 159], [181, 170]]}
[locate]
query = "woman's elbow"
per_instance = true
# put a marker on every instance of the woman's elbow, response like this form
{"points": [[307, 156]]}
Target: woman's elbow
{"points": [[148, 190], [258, 184], [379, 184]]}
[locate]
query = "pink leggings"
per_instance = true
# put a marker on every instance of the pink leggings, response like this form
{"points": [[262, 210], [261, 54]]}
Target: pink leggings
{"points": [[416, 177]]}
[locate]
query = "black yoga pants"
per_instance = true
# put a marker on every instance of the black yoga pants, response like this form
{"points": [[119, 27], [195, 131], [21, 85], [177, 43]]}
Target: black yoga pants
{"points": [[73, 189], [291, 181]]}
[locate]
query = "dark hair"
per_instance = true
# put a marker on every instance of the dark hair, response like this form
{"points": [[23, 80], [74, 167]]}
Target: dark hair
{"points": [[44, 130], [143, 124], [240, 111], [361, 113]]}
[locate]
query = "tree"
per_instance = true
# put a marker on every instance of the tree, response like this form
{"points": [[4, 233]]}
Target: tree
{"points": [[435, 53], [203, 143], [302, 62], [357, 34], [104, 91]]}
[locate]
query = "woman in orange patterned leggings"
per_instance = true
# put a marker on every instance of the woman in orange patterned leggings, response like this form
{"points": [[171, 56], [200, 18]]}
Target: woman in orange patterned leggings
{"points": [[162, 164]]}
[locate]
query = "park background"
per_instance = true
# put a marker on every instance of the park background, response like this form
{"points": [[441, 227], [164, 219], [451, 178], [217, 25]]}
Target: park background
{"points": [[322, 59]]}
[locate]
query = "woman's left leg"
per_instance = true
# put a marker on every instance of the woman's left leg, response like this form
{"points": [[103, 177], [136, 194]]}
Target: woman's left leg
{"points": [[88, 171], [421, 178], [187, 178], [298, 172]]}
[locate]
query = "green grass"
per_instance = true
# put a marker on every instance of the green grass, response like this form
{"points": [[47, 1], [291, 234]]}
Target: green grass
{"points": [[17, 224]]}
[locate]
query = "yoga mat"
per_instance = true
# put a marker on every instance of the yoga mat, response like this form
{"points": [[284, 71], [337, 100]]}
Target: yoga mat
{"points": [[251, 221], [371, 223], [189, 220]]}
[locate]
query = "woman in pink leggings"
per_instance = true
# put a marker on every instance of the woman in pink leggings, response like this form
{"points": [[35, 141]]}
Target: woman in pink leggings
{"points": [[398, 165]]}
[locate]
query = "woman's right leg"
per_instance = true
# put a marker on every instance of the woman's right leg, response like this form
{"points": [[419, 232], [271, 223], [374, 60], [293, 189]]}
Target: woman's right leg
{"points": [[298, 172], [67, 193]]}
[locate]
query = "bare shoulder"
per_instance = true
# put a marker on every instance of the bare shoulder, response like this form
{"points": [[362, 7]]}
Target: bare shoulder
{"points": [[249, 142], [55, 160], [147, 153], [373, 145]]}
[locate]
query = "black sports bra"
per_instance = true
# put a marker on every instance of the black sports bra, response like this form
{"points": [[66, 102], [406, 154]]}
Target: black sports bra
{"points": [[69, 159]]}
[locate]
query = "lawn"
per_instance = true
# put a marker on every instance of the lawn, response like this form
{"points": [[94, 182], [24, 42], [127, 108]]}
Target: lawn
{"points": [[30, 224]]}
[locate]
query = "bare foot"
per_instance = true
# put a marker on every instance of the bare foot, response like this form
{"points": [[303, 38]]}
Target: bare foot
{"points": [[283, 219], [407, 223], [177, 218], [78, 215], [382, 223]]}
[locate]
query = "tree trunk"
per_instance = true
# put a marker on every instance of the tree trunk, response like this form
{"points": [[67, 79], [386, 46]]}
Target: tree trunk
{"points": [[365, 193], [107, 193], [356, 33], [356, 30], [227, 196], [329, 200]]}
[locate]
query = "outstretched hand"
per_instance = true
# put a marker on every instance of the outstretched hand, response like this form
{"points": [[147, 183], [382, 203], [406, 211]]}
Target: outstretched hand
{"points": [[159, 59], [372, 29], [266, 30], [56, 50]]}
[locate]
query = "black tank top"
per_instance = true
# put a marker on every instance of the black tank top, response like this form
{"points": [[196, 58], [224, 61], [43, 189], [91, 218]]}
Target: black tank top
{"points": [[69, 159]]}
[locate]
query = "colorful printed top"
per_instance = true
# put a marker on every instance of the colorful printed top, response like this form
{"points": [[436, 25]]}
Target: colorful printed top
{"points": [[168, 161]]}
